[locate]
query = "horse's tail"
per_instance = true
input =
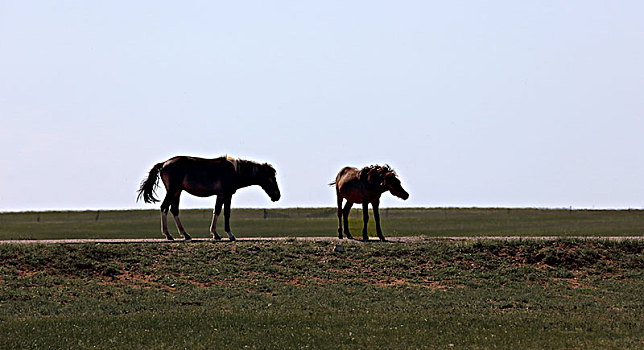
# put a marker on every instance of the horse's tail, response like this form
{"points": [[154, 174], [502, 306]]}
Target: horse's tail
{"points": [[149, 185]]}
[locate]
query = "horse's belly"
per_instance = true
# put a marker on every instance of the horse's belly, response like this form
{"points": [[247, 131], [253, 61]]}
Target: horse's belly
{"points": [[203, 190], [353, 196]]}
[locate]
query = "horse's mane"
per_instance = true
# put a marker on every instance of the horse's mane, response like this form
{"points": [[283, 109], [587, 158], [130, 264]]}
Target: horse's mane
{"points": [[248, 167], [375, 174]]}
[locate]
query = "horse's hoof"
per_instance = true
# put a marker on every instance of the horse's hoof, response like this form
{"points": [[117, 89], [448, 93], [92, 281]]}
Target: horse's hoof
{"points": [[365, 239], [340, 237], [169, 238], [216, 237], [188, 238], [231, 236], [349, 236]]}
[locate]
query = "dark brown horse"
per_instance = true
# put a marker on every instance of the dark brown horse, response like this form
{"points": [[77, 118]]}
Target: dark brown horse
{"points": [[365, 186], [204, 178]]}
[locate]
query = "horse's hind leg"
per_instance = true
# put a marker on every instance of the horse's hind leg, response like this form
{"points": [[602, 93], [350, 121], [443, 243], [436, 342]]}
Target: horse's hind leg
{"points": [[345, 215], [339, 217], [365, 220], [174, 209], [165, 205]]}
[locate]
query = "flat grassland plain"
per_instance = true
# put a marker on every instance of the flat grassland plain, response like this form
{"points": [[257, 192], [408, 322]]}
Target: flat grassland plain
{"points": [[314, 222], [429, 293]]}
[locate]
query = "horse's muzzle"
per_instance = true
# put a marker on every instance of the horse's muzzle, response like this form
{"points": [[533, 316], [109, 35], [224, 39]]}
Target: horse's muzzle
{"points": [[402, 195]]}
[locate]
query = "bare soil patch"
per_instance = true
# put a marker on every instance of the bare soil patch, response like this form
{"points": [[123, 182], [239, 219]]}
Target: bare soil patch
{"points": [[317, 239]]}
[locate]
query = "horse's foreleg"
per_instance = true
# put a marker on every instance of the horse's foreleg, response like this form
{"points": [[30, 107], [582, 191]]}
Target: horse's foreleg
{"points": [[365, 220], [227, 201], [213, 226], [174, 209], [345, 216], [215, 216], [376, 216]]}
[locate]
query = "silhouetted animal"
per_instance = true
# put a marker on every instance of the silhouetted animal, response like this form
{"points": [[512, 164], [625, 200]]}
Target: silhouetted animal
{"points": [[365, 186], [205, 177]]}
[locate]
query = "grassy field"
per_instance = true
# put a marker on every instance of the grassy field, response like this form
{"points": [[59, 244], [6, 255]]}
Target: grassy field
{"points": [[434, 222], [572, 294]]}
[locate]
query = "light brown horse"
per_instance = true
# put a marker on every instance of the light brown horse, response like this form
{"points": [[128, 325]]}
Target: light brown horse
{"points": [[204, 178], [365, 186]]}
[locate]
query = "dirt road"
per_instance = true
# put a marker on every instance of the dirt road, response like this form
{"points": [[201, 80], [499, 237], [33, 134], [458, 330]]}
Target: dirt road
{"points": [[321, 239]]}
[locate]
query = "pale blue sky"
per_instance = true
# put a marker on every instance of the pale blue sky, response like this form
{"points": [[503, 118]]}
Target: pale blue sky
{"points": [[495, 103]]}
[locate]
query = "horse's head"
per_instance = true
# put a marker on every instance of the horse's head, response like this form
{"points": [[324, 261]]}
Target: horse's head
{"points": [[383, 178], [266, 174], [392, 183]]}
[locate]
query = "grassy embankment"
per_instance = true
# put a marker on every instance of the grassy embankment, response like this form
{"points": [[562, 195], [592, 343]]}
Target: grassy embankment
{"points": [[435, 294]]}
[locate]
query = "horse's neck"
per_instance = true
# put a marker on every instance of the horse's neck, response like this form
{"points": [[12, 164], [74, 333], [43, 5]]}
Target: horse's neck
{"points": [[377, 190], [245, 174], [374, 187]]}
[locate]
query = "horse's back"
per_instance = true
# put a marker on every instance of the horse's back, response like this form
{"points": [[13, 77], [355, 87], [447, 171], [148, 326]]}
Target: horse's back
{"points": [[346, 172], [196, 164], [199, 176], [348, 184]]}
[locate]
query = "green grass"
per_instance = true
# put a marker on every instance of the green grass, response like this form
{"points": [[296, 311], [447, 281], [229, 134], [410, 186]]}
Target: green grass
{"points": [[284, 295], [434, 222]]}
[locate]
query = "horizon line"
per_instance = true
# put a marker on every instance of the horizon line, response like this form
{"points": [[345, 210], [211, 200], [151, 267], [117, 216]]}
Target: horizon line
{"points": [[16, 211]]}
